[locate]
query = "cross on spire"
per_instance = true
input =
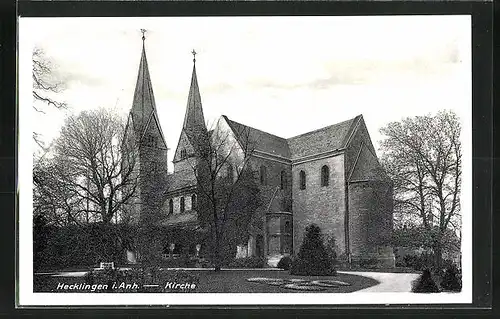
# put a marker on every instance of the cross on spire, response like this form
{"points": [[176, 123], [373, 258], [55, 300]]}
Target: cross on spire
{"points": [[194, 55], [143, 32]]}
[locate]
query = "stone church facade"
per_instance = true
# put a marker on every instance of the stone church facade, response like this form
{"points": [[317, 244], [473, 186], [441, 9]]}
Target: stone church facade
{"points": [[330, 177]]}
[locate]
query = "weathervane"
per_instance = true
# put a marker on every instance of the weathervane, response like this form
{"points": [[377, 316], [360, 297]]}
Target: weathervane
{"points": [[143, 32], [194, 55]]}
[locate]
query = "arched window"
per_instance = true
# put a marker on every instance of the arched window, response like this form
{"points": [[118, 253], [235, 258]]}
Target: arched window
{"points": [[183, 154], [183, 207], [325, 176], [302, 177], [283, 180], [193, 201], [288, 229], [263, 175], [170, 206]]}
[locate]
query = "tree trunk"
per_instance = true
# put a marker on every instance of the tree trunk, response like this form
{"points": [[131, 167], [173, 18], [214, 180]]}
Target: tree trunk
{"points": [[438, 252], [216, 249]]}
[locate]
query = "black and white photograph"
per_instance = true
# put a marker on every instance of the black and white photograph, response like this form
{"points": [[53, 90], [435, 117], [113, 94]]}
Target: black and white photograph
{"points": [[245, 160]]}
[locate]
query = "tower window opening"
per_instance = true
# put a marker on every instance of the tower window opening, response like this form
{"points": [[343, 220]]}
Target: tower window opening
{"points": [[183, 154], [230, 172], [183, 205], [263, 175], [193, 201], [170, 206], [302, 179], [325, 176], [283, 180]]}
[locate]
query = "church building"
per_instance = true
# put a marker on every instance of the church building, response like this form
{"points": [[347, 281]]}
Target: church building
{"points": [[330, 177]]}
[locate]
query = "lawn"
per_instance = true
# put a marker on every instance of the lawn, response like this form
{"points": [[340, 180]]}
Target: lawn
{"points": [[225, 281]]}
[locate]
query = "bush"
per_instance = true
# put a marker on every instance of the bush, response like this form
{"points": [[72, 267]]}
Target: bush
{"points": [[424, 283], [248, 262], [370, 263], [419, 262], [285, 263], [451, 280], [313, 259]]}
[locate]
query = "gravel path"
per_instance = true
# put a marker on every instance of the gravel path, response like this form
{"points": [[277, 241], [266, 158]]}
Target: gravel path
{"points": [[389, 282]]}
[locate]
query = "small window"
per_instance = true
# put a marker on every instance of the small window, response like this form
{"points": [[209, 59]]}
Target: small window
{"points": [[183, 205], [302, 177], [288, 229], [170, 206], [183, 154], [230, 172], [283, 180], [325, 176], [193, 201], [263, 175]]}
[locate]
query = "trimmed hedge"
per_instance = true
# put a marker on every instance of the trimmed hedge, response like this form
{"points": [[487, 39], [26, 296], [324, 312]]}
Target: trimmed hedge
{"points": [[248, 262]]}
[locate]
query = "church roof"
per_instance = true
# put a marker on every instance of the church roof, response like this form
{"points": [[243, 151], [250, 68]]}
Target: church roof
{"points": [[367, 167], [333, 137], [194, 112], [179, 180], [143, 111], [264, 142], [194, 121], [329, 138]]}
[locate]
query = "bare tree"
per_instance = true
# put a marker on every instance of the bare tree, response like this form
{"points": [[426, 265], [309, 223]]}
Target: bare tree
{"points": [[423, 156], [46, 85], [96, 164], [227, 189], [51, 199]]}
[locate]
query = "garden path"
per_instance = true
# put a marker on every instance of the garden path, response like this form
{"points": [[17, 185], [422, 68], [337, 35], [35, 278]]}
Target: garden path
{"points": [[388, 282]]}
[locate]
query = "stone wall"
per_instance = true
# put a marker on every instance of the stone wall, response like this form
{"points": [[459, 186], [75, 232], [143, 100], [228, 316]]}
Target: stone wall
{"points": [[370, 220], [321, 205]]}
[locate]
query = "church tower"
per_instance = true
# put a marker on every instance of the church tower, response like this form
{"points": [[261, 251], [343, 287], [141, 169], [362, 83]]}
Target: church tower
{"points": [[194, 131], [143, 127]]}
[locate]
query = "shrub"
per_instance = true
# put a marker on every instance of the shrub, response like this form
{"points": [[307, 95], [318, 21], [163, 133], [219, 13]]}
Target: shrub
{"points": [[313, 259], [419, 262], [451, 279], [368, 263], [285, 263], [248, 262], [424, 283]]}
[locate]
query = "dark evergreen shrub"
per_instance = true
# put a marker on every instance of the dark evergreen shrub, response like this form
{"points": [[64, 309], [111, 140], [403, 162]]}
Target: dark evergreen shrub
{"points": [[249, 262], [424, 283], [285, 263], [451, 279], [313, 259]]}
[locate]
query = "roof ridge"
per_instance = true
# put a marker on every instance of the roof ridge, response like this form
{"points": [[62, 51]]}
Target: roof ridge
{"points": [[322, 128], [254, 128]]}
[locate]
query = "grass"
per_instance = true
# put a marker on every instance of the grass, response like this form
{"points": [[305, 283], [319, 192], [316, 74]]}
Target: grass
{"points": [[225, 281]]}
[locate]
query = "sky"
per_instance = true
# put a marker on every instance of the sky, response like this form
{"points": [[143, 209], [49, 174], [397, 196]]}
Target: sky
{"points": [[283, 75]]}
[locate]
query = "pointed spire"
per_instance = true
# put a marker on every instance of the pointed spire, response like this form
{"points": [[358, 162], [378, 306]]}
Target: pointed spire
{"points": [[194, 119], [144, 103]]}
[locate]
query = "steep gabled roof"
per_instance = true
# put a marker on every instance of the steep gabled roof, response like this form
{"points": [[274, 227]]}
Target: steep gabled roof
{"points": [[194, 122], [333, 137], [261, 140], [367, 167], [143, 110]]}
